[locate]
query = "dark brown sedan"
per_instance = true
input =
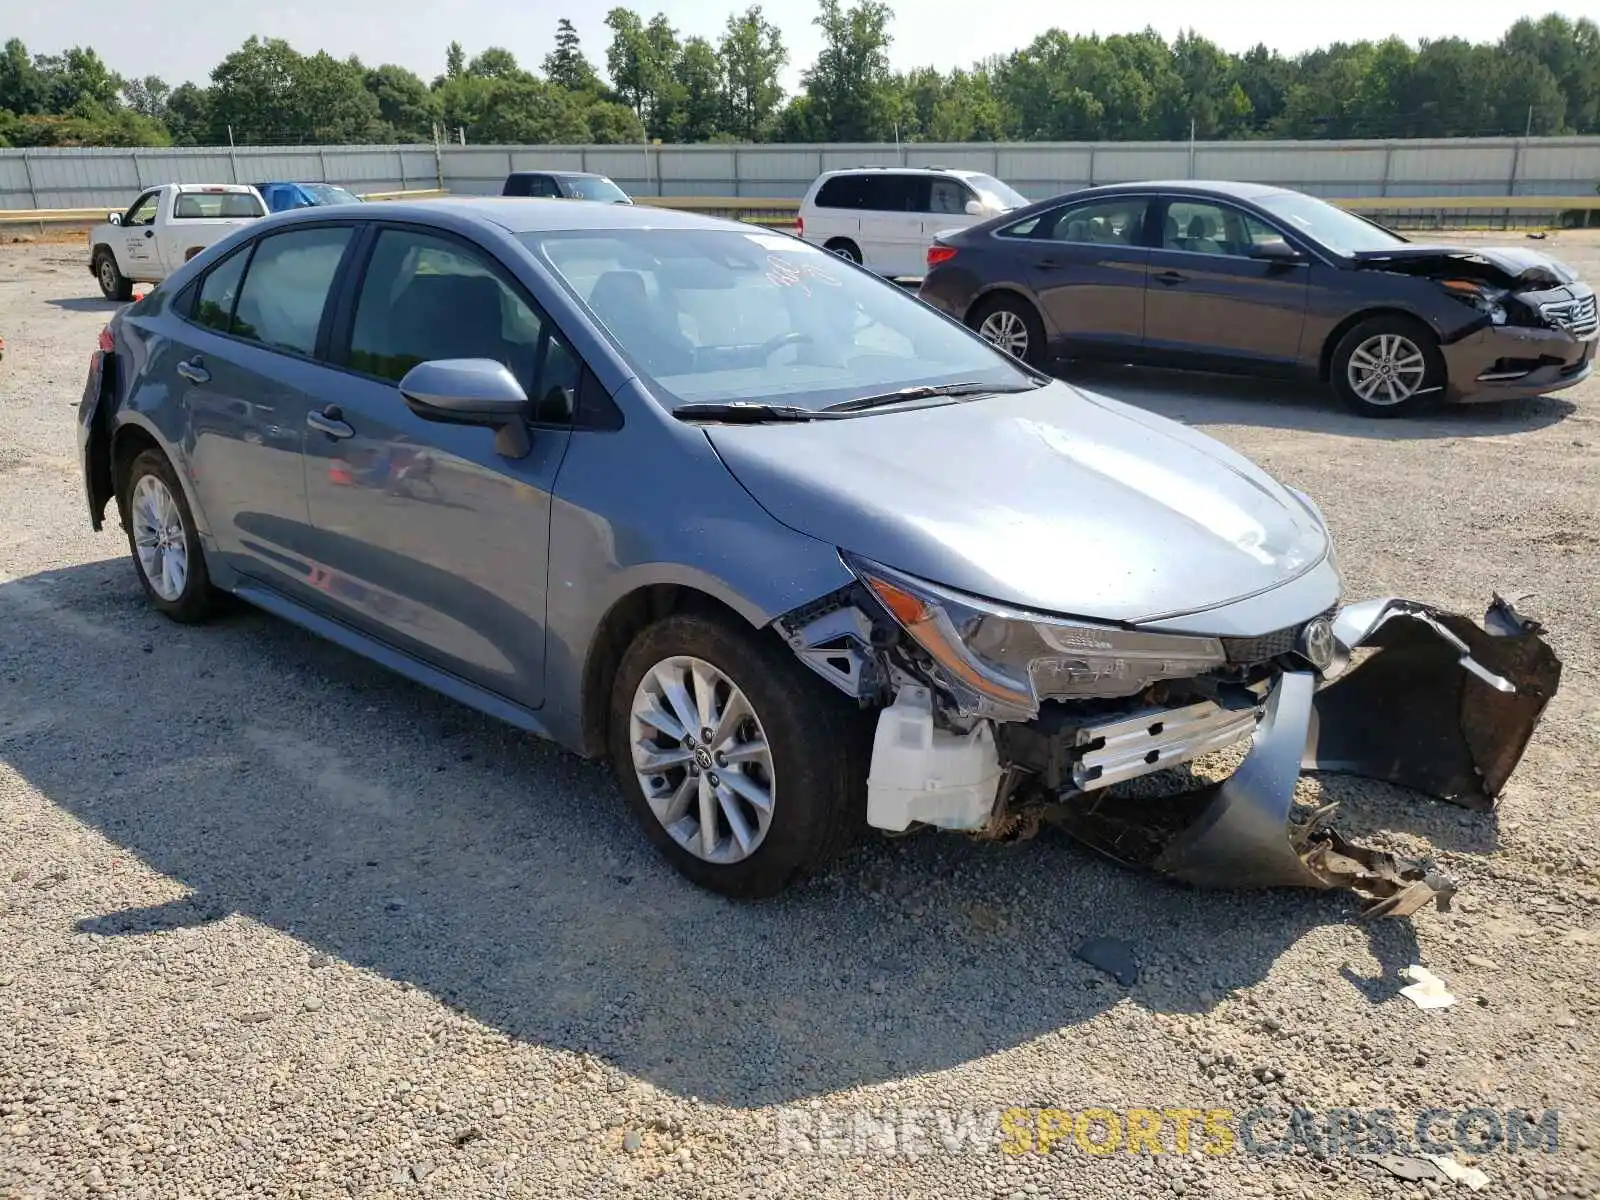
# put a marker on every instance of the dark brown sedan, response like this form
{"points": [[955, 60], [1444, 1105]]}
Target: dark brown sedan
{"points": [[1245, 277]]}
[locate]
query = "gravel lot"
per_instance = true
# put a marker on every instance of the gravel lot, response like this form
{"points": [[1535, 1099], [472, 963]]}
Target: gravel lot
{"points": [[274, 922]]}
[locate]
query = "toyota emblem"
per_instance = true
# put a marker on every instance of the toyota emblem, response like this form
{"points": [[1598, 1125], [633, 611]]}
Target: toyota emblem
{"points": [[1317, 643]]}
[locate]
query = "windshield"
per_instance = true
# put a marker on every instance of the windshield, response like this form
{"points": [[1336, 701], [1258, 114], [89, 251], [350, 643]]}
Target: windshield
{"points": [[1340, 231], [327, 193], [589, 188], [711, 315], [997, 194]]}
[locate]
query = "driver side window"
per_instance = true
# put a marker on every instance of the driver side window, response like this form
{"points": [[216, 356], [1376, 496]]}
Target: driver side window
{"points": [[143, 211]]}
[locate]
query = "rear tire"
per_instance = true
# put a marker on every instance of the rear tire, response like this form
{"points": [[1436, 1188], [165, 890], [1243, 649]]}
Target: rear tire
{"points": [[164, 540], [1011, 324], [113, 284], [803, 746], [845, 249], [1388, 366]]}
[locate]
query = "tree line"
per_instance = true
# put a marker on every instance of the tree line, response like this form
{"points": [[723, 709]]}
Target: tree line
{"points": [[1541, 77]]}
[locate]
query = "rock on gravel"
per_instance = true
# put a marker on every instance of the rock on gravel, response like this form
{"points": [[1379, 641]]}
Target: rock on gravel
{"points": [[245, 820]]}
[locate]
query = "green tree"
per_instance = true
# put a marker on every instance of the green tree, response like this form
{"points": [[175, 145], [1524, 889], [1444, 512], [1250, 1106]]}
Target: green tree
{"points": [[455, 61], [566, 66], [188, 116], [753, 57], [850, 90], [613, 124], [406, 107], [1570, 50], [76, 78], [629, 60], [147, 96], [22, 86], [495, 63], [700, 107]]}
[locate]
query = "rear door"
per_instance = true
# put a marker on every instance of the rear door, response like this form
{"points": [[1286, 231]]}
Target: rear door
{"points": [[242, 359], [1209, 302], [1086, 263], [427, 537]]}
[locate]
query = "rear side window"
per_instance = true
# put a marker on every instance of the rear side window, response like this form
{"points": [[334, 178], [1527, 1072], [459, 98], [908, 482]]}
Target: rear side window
{"points": [[843, 191], [287, 287], [1115, 222], [219, 290], [197, 206], [896, 193]]}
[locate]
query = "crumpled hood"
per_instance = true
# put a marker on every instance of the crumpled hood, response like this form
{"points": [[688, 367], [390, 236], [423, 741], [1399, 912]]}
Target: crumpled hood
{"points": [[1512, 264], [1055, 500]]}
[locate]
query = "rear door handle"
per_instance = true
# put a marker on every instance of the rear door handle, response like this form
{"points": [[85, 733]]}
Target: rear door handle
{"points": [[330, 420], [1170, 277], [193, 371]]}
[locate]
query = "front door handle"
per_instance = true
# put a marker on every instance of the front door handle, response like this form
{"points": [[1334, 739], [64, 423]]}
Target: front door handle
{"points": [[149, 233], [330, 420], [193, 371], [1170, 277]]}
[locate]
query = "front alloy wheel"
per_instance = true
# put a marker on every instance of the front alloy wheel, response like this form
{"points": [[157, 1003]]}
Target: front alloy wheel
{"points": [[702, 760], [159, 538], [1387, 369]]}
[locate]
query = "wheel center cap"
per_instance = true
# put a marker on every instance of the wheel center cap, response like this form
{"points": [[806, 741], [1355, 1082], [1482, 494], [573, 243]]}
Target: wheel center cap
{"points": [[702, 758]]}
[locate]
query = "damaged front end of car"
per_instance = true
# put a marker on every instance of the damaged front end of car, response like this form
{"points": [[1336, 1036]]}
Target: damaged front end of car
{"points": [[993, 720]]}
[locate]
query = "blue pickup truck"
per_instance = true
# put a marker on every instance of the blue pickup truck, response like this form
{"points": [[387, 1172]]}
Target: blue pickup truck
{"points": [[281, 197]]}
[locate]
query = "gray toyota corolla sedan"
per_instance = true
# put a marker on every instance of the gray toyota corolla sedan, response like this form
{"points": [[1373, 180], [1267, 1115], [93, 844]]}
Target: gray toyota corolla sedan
{"points": [[796, 552]]}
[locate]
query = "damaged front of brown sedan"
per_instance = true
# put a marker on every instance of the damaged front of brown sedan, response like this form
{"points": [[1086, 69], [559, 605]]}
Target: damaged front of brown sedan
{"points": [[995, 715]]}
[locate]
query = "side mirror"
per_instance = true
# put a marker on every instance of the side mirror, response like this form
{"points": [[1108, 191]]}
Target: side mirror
{"points": [[974, 209], [1280, 252], [114, 218], [471, 391]]}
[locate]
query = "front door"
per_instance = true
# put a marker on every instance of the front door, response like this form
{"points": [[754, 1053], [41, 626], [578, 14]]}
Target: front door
{"points": [[1209, 301], [427, 537], [241, 360], [139, 237], [1087, 264]]}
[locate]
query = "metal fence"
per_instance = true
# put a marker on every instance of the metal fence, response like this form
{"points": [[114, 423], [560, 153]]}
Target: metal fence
{"points": [[83, 178]]}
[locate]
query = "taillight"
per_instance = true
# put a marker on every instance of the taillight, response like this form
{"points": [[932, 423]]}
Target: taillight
{"points": [[800, 227], [940, 254], [107, 342]]}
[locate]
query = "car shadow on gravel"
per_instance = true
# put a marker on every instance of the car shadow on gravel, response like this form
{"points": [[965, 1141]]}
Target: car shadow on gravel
{"points": [[1196, 398], [274, 776], [87, 304]]}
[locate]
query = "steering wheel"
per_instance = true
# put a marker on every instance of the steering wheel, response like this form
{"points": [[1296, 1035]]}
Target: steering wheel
{"points": [[793, 338]]}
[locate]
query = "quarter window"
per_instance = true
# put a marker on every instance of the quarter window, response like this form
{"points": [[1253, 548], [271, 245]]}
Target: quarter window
{"points": [[287, 287], [214, 306], [1115, 222]]}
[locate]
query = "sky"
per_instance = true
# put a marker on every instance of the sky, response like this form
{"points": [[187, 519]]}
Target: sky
{"points": [[182, 42]]}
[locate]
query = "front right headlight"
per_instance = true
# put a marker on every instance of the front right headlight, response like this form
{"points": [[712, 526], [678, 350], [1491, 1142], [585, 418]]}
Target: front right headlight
{"points": [[1001, 662]]}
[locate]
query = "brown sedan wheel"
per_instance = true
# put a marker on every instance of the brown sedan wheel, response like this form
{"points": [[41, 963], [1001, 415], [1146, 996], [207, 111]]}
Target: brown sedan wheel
{"points": [[1388, 366], [1011, 324]]}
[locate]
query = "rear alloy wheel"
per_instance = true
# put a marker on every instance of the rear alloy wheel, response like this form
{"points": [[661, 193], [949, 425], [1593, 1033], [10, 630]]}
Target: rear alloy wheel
{"points": [[1010, 323], [166, 547], [845, 249], [1387, 367], [743, 767]]}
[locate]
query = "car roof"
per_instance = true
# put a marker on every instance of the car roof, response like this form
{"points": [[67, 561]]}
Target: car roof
{"points": [[517, 214], [562, 174], [960, 172], [1192, 187]]}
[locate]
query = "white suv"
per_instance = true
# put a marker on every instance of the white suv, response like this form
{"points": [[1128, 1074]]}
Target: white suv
{"points": [[886, 217]]}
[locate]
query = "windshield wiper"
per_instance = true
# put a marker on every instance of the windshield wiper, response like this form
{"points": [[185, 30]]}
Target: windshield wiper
{"points": [[969, 388], [743, 411]]}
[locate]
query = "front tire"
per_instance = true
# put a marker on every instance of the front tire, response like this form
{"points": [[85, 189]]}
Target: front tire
{"points": [[1387, 366], [113, 284], [164, 540], [746, 770], [1011, 324]]}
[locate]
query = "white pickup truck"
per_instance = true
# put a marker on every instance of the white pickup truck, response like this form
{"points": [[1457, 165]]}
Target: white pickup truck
{"points": [[163, 229]]}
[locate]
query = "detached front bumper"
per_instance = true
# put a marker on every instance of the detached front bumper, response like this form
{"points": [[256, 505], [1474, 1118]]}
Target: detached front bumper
{"points": [[1441, 705], [1503, 361]]}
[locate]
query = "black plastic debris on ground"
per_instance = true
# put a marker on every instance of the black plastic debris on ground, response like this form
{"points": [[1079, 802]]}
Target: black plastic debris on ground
{"points": [[1113, 957]]}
